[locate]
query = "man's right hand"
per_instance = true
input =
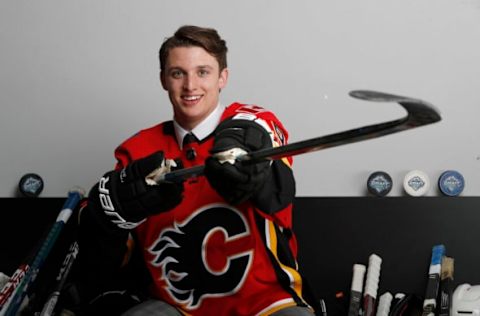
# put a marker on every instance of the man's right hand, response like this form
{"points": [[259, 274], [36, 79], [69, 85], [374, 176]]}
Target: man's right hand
{"points": [[128, 199]]}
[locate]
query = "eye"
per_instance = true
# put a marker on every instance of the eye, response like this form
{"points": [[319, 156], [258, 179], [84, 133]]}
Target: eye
{"points": [[176, 74], [203, 72]]}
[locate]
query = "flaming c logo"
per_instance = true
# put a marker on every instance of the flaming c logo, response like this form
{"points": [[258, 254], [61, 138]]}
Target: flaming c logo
{"points": [[204, 255]]}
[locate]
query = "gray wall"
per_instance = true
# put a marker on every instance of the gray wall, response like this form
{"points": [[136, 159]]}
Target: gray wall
{"points": [[78, 77]]}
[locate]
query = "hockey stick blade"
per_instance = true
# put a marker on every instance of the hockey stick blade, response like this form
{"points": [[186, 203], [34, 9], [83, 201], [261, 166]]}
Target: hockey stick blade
{"points": [[419, 113]]}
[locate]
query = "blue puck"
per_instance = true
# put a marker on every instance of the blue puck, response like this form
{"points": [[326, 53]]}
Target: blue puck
{"points": [[451, 183], [31, 185], [379, 183]]}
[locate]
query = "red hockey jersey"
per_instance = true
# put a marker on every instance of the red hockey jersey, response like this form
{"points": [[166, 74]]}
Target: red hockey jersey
{"points": [[210, 258]]}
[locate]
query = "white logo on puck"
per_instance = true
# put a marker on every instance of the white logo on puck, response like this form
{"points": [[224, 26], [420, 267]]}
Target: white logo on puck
{"points": [[416, 183]]}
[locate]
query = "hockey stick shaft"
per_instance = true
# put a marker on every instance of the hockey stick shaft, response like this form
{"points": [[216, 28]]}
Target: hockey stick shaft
{"points": [[49, 306], [384, 304], [17, 277], [356, 289], [419, 113], [12, 284], [433, 283], [446, 286], [13, 306], [371, 285]]}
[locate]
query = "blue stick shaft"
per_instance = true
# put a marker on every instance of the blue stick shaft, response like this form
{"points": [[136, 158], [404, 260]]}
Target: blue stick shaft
{"points": [[433, 283]]}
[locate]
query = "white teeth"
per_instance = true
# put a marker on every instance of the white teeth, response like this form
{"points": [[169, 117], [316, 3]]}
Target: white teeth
{"points": [[191, 97]]}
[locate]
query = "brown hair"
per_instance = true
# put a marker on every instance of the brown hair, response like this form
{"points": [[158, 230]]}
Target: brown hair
{"points": [[189, 35]]}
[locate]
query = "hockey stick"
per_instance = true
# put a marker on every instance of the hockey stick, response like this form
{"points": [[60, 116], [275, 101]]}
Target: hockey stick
{"points": [[356, 289], [17, 277], [9, 288], [49, 306], [446, 286], [371, 285], [384, 304], [419, 113], [433, 282], [13, 305], [12, 284]]}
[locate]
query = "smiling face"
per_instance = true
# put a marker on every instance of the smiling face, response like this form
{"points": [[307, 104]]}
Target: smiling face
{"points": [[193, 80]]}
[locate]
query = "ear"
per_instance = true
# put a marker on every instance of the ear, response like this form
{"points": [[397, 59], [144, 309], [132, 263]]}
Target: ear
{"points": [[162, 80], [223, 79]]}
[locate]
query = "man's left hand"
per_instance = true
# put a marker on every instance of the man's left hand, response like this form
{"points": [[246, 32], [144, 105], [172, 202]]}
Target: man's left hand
{"points": [[235, 181]]}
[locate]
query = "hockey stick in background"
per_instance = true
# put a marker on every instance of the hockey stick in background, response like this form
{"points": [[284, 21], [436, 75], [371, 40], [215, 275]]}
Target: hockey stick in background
{"points": [[12, 284], [8, 289], [446, 286], [62, 276], [13, 305], [433, 282], [384, 304], [356, 289], [419, 113], [371, 285]]}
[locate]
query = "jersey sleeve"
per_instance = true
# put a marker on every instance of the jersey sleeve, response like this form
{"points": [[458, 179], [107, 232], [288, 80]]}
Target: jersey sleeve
{"points": [[267, 119]]}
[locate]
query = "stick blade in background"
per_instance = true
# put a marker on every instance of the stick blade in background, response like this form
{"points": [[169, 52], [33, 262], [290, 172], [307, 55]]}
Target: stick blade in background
{"points": [[419, 112], [433, 283], [356, 289]]}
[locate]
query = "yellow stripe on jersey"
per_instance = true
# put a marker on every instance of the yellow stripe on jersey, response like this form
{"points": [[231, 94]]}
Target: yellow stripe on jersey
{"points": [[275, 307], [293, 275], [286, 162]]}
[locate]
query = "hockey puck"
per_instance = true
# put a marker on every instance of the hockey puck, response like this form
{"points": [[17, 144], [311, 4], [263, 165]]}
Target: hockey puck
{"points": [[416, 183], [379, 183], [451, 183], [30, 185]]}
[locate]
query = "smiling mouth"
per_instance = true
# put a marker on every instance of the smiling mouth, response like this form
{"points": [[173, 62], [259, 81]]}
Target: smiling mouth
{"points": [[191, 98]]}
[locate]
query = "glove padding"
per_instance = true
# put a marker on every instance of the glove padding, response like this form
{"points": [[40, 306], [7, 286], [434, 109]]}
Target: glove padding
{"points": [[235, 181], [127, 197]]}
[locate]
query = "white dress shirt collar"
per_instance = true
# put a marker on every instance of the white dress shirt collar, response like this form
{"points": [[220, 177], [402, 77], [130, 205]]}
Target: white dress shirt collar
{"points": [[202, 130]]}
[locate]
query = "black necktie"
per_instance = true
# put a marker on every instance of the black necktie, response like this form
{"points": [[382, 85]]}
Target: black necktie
{"points": [[188, 139]]}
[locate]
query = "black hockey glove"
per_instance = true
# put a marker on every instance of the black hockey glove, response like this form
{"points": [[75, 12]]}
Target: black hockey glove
{"points": [[127, 198], [237, 182]]}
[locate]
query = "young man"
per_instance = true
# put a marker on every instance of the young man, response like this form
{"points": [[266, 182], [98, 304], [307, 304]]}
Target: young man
{"points": [[219, 244]]}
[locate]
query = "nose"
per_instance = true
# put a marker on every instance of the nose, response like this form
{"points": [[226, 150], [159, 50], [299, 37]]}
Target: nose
{"points": [[189, 83]]}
